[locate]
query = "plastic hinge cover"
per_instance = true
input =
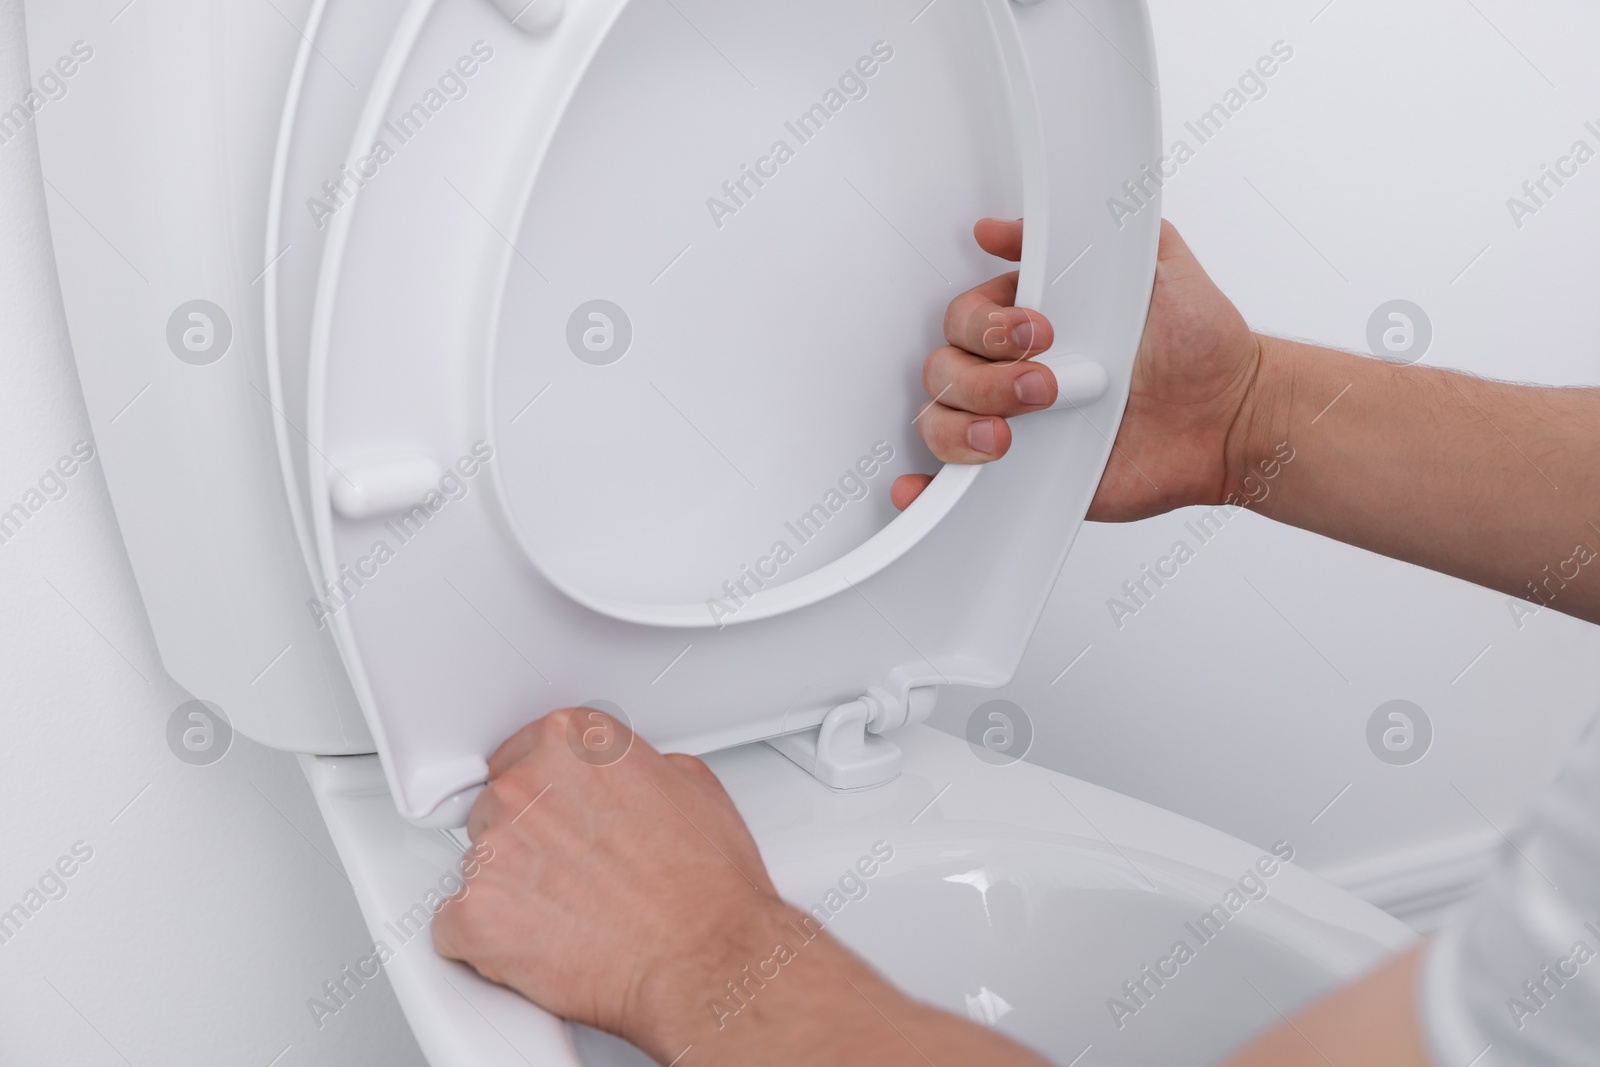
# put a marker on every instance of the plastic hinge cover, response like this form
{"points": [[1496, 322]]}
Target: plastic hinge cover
{"points": [[845, 751]]}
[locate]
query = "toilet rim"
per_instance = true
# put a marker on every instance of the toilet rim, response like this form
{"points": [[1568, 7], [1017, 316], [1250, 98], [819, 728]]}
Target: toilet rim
{"points": [[950, 797]]}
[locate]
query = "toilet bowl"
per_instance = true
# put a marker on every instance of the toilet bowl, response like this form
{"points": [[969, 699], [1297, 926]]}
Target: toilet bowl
{"points": [[583, 345]]}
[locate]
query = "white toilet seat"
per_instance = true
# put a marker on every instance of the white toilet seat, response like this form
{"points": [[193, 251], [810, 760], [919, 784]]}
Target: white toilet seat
{"points": [[412, 327]]}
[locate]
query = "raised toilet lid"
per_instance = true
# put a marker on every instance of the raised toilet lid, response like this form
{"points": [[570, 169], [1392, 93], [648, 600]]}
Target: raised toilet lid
{"points": [[617, 348]]}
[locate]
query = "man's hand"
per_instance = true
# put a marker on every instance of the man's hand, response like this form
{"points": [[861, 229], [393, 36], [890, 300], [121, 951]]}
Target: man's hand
{"points": [[618, 876], [1192, 379], [1490, 482], [624, 892]]}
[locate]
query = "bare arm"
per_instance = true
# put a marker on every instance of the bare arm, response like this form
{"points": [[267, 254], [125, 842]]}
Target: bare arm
{"points": [[1498, 484], [829, 1008], [1372, 1022], [824, 1008]]}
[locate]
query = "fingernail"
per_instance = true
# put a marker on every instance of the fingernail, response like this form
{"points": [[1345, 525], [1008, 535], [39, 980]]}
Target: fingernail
{"points": [[1022, 335], [980, 437], [1032, 389]]}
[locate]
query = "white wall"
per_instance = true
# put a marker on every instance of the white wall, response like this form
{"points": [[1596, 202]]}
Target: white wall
{"points": [[1387, 148], [212, 905]]}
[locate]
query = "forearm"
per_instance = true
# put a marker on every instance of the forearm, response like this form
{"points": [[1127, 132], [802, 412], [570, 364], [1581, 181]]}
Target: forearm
{"points": [[1372, 1022], [810, 1002], [1498, 484]]}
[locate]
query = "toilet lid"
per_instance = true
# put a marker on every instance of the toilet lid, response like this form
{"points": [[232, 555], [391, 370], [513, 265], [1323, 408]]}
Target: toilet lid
{"points": [[617, 348]]}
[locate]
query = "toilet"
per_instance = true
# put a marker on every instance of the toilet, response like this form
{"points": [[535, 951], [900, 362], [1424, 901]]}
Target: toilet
{"points": [[585, 344]]}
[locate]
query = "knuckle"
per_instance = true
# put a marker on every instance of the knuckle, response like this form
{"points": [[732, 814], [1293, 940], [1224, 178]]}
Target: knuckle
{"points": [[506, 793], [462, 927], [695, 768], [993, 386], [982, 389], [448, 934], [930, 371], [555, 724], [940, 371], [954, 312]]}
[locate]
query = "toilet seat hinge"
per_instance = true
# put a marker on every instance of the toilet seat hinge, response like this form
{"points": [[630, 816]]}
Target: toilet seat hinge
{"points": [[841, 753]]}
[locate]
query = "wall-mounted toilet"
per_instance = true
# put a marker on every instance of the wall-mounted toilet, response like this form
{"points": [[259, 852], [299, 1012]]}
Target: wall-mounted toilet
{"points": [[551, 353]]}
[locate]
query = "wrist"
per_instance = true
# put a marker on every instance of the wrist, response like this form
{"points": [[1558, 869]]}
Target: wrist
{"points": [[689, 994], [1258, 444], [772, 971]]}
